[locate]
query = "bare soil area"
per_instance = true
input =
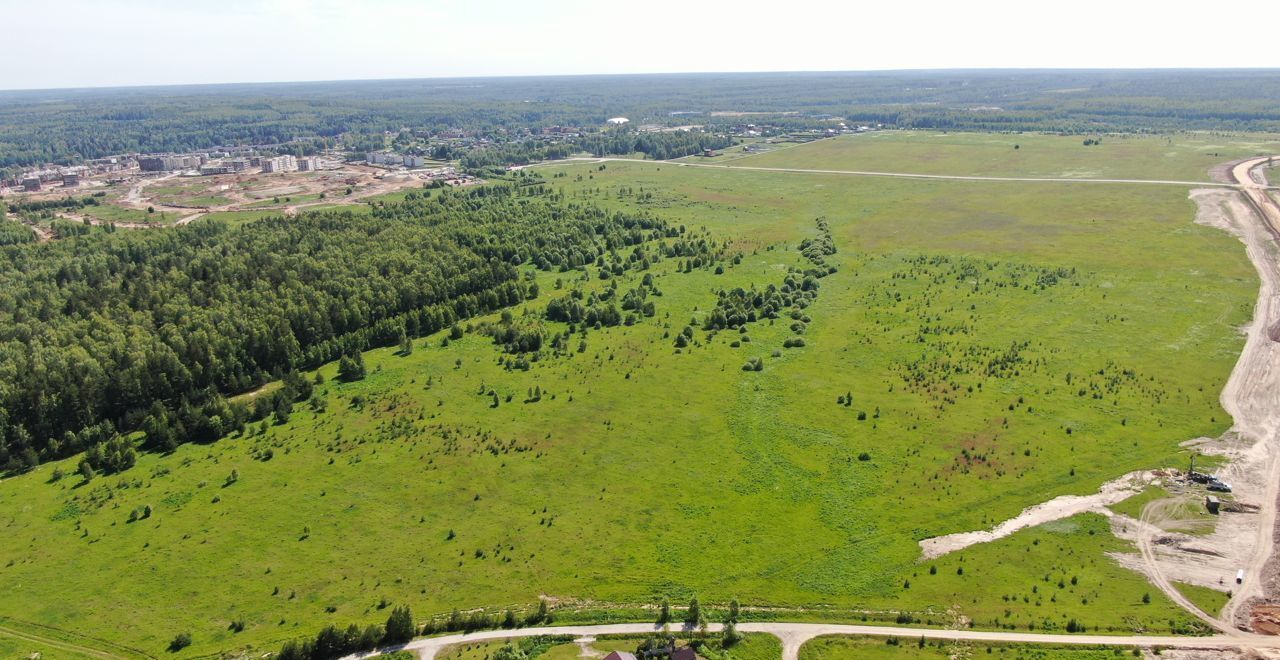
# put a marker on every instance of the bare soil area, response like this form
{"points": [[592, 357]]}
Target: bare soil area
{"points": [[1057, 508]]}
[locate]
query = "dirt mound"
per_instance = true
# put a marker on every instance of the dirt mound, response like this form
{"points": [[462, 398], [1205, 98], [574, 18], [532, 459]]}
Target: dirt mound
{"points": [[1274, 331], [1264, 618]]}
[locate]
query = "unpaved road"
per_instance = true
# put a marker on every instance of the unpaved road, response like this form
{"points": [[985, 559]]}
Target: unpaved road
{"points": [[1146, 538], [70, 644], [74, 649], [794, 635], [897, 175], [1252, 394]]}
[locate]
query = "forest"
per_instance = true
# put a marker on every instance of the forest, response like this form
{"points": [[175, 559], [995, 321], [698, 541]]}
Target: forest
{"points": [[66, 126], [110, 331], [617, 142]]}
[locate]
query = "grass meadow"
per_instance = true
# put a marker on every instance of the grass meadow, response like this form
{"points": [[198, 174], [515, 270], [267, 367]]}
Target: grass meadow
{"points": [[1177, 156], [999, 344], [906, 648], [755, 646]]}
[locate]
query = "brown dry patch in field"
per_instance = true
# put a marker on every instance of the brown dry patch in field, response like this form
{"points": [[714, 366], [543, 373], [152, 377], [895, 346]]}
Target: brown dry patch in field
{"points": [[977, 453]]}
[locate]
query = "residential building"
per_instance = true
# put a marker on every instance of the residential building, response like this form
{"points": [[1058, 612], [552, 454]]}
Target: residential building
{"points": [[170, 162], [280, 164], [383, 158]]}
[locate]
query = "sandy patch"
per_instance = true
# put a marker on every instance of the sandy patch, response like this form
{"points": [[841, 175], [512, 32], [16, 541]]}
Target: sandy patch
{"points": [[1057, 508]]}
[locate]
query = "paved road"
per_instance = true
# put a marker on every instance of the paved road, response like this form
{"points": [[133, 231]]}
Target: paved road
{"points": [[794, 635]]}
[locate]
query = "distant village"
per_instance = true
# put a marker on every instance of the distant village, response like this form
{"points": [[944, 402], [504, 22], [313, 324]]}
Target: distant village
{"points": [[231, 160], [409, 151]]}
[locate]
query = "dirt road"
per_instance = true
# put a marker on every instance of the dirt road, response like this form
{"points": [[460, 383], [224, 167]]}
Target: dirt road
{"points": [[69, 644], [1252, 394], [900, 175], [1146, 538], [794, 635]]}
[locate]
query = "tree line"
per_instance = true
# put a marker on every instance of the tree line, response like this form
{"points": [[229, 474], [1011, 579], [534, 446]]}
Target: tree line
{"points": [[67, 126], [659, 145]]}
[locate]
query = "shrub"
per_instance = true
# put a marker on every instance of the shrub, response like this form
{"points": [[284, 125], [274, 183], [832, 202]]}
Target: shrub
{"points": [[180, 641]]}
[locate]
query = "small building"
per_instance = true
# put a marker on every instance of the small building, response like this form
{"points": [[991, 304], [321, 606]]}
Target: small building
{"points": [[617, 121], [414, 161], [1212, 503], [70, 180], [31, 184], [620, 655]]}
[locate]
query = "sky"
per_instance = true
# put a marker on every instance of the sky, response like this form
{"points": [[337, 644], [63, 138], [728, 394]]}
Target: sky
{"points": [[100, 43]]}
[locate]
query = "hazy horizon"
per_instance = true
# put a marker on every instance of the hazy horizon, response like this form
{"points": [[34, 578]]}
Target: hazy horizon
{"points": [[145, 43], [322, 81]]}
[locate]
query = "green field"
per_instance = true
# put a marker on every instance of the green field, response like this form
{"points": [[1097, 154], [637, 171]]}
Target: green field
{"points": [[752, 647], [240, 217], [1181, 512], [1134, 505], [897, 648], [1000, 344], [1179, 156], [108, 212], [285, 200], [15, 647], [204, 200], [1211, 601]]}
